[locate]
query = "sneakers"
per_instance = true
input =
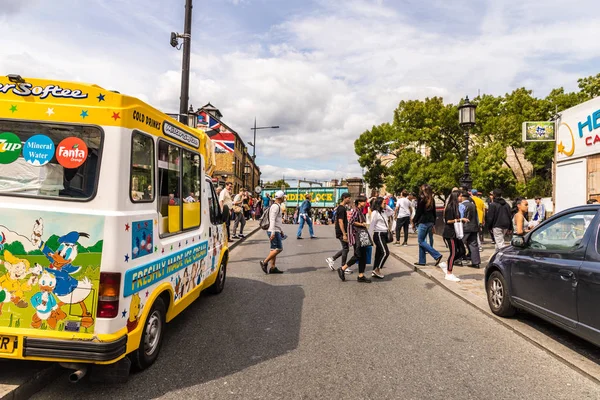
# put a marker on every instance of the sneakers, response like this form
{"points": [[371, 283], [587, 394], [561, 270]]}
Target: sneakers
{"points": [[404, 244], [363, 279], [235, 237], [298, 237], [376, 275], [418, 264], [331, 263], [241, 236], [396, 243], [437, 260], [348, 271], [341, 274], [313, 237], [275, 271], [452, 278], [444, 267], [263, 266]]}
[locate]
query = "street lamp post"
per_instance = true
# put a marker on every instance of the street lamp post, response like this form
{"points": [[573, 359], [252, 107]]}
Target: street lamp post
{"points": [[253, 144], [466, 120]]}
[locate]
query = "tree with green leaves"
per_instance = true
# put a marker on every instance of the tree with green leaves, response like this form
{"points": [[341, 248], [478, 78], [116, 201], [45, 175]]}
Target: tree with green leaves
{"points": [[277, 184]]}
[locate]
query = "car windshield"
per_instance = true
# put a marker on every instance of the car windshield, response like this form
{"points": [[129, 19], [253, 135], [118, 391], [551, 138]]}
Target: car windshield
{"points": [[49, 160]]}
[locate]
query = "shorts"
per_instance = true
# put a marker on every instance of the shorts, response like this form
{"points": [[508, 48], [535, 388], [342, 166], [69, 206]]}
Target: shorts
{"points": [[276, 243]]}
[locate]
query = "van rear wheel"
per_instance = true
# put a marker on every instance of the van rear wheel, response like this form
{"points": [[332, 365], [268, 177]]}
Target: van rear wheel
{"points": [[152, 336]]}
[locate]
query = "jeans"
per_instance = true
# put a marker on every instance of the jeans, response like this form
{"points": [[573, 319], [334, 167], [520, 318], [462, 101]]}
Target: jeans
{"points": [[422, 231], [402, 223], [381, 249], [472, 241], [308, 220], [239, 219], [343, 252]]}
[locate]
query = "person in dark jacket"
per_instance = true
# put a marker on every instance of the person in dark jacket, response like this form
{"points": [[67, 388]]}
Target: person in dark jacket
{"points": [[425, 217], [452, 216], [471, 230], [499, 218]]}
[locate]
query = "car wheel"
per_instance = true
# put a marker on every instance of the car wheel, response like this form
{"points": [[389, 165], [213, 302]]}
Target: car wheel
{"points": [[219, 284], [152, 336], [498, 295]]}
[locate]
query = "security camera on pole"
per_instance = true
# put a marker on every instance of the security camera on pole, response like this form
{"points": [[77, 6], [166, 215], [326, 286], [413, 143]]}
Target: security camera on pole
{"points": [[185, 66]]}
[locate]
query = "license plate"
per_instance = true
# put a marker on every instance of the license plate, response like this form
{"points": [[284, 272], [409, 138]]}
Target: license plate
{"points": [[7, 344]]}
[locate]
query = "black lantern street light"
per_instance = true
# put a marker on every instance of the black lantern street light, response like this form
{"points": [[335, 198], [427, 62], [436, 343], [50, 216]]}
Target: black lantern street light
{"points": [[466, 120]]}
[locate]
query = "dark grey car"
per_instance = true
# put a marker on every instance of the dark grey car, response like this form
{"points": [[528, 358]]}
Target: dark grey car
{"points": [[552, 272]]}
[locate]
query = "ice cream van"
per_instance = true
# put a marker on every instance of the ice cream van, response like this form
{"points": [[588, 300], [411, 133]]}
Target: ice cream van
{"points": [[109, 224]]}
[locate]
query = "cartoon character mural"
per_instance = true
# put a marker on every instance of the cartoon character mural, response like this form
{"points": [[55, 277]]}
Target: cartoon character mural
{"points": [[68, 290], [44, 303], [135, 309], [13, 284]]}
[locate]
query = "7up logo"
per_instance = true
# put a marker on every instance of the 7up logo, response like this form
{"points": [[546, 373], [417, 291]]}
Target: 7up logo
{"points": [[10, 147]]}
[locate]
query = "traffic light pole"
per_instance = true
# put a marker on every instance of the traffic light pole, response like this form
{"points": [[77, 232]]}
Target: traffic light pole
{"points": [[185, 66]]}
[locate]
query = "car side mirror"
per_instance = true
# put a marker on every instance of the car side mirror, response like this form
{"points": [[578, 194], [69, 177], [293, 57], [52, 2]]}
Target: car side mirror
{"points": [[518, 241]]}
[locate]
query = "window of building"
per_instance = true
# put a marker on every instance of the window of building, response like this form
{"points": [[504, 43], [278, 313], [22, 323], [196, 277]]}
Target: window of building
{"points": [[179, 188], [57, 161], [142, 168]]}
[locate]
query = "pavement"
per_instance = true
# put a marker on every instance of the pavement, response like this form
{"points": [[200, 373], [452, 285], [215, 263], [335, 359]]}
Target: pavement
{"points": [[570, 349], [307, 335]]}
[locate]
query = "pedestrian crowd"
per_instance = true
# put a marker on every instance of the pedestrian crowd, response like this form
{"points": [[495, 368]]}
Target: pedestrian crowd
{"points": [[369, 225]]}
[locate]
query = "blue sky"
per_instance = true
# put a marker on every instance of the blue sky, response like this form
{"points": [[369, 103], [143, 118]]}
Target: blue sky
{"points": [[325, 71]]}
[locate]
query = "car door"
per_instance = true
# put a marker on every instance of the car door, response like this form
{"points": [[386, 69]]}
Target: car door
{"points": [[588, 290], [545, 273]]}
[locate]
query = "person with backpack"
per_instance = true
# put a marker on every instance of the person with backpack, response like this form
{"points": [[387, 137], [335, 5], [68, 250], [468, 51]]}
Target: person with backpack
{"points": [[341, 233], [272, 222], [499, 218]]}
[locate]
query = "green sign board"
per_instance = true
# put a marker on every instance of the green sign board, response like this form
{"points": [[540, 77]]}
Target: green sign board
{"points": [[320, 197], [542, 131]]}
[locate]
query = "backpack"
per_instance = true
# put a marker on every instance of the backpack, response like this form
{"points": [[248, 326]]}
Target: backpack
{"points": [[264, 222]]}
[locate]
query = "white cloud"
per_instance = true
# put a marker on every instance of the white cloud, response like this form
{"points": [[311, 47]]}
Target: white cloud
{"points": [[324, 75]]}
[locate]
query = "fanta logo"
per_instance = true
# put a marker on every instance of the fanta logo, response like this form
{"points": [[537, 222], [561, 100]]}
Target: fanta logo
{"points": [[27, 89], [71, 152]]}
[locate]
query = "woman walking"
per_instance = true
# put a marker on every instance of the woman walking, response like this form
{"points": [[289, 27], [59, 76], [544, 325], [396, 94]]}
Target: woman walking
{"points": [[424, 220], [519, 220], [452, 216], [356, 225], [379, 229]]}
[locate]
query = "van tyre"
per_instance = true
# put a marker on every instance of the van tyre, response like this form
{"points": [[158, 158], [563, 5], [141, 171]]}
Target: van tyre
{"points": [[498, 295], [219, 284], [152, 336]]}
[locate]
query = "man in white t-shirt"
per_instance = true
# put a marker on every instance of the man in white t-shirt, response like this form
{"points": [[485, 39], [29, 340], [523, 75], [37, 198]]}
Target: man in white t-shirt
{"points": [[404, 212], [225, 200], [275, 234]]}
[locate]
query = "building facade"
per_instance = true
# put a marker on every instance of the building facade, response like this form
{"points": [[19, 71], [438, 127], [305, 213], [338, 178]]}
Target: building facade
{"points": [[234, 164]]}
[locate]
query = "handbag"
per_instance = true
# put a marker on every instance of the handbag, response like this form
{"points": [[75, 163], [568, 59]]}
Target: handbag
{"points": [[390, 235], [458, 229]]}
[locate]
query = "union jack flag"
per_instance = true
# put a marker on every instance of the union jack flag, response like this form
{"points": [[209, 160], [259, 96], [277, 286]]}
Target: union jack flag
{"points": [[224, 142], [213, 123]]}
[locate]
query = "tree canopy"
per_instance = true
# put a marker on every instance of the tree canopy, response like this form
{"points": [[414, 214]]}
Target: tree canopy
{"points": [[425, 144]]}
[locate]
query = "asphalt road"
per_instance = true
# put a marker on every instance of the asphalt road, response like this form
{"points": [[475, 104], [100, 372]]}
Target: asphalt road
{"points": [[307, 335]]}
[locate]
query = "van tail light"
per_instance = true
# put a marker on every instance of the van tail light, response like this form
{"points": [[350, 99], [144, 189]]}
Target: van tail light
{"points": [[108, 298]]}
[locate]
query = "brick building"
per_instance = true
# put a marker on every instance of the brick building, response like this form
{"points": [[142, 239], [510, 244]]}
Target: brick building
{"points": [[234, 164]]}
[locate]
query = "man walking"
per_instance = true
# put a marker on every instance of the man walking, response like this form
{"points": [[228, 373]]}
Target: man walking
{"points": [[498, 218], [225, 200], [404, 210], [275, 234], [480, 206], [304, 216], [471, 230], [238, 208], [341, 233]]}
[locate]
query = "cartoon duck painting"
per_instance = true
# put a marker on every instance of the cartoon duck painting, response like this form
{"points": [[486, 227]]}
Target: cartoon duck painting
{"points": [[45, 303], [13, 281], [68, 290], [135, 308]]}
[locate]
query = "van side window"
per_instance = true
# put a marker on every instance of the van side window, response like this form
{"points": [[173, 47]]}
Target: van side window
{"points": [[169, 176], [213, 204], [142, 168], [191, 190]]}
